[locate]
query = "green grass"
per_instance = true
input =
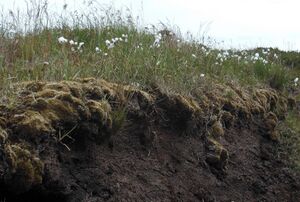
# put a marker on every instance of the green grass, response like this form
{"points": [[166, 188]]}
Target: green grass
{"points": [[32, 52], [176, 63], [290, 139], [27, 58]]}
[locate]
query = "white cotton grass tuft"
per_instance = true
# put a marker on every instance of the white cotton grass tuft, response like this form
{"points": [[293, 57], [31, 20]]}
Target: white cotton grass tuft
{"points": [[136, 84], [256, 56], [97, 49], [62, 40], [296, 81], [202, 75], [157, 40], [80, 45], [71, 42], [107, 42], [110, 44]]}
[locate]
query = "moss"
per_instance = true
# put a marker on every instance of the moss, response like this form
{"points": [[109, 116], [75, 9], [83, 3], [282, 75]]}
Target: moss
{"points": [[65, 108], [31, 123], [55, 108], [227, 119], [61, 87], [257, 109], [34, 86], [101, 89], [138, 99], [2, 122], [270, 124], [204, 102], [271, 121], [71, 102], [274, 135], [75, 88], [229, 94], [217, 129], [111, 91], [187, 104], [281, 108], [39, 104], [266, 98], [87, 80], [217, 155], [181, 113], [47, 93], [241, 109], [100, 112], [67, 97], [3, 136], [61, 112], [93, 92], [230, 106], [25, 170]]}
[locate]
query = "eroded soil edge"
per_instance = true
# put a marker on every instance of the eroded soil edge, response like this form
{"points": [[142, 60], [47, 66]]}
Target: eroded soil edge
{"points": [[91, 140]]}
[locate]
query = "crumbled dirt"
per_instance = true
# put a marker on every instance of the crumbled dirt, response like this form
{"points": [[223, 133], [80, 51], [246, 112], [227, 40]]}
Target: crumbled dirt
{"points": [[91, 140]]}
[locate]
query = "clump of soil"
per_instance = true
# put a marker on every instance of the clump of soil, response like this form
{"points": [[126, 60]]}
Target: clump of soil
{"points": [[92, 140]]}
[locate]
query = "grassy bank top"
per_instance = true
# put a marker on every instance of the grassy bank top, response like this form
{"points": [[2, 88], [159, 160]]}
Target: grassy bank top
{"points": [[111, 44], [127, 54]]}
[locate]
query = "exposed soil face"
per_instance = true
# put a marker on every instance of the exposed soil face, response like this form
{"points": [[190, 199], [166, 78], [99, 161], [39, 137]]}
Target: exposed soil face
{"points": [[73, 141]]}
